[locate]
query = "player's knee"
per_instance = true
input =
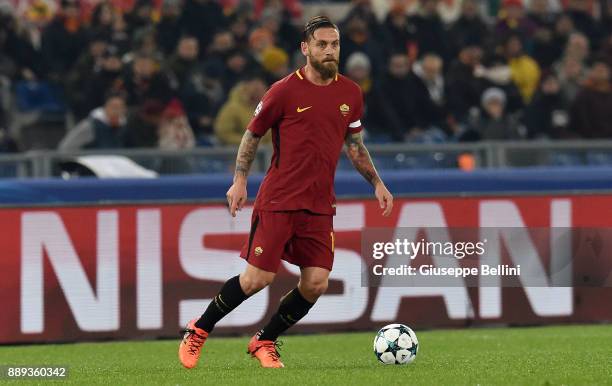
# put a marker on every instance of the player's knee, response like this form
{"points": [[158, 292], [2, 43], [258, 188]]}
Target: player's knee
{"points": [[252, 284], [314, 288]]}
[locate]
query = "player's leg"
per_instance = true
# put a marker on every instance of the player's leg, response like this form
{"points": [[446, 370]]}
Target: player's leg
{"points": [[293, 307], [312, 249], [297, 302], [235, 291], [269, 233]]}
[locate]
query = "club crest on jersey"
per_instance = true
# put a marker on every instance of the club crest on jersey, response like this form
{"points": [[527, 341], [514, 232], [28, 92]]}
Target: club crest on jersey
{"points": [[258, 108], [258, 251], [345, 109]]}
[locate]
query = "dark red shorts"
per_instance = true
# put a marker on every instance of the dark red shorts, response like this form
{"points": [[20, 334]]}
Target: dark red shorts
{"points": [[298, 237]]}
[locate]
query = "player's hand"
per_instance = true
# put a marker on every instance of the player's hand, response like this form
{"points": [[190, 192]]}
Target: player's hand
{"points": [[385, 198], [236, 197]]}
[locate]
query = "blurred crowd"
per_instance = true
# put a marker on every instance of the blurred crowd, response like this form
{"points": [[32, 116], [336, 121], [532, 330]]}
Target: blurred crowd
{"points": [[176, 74]]}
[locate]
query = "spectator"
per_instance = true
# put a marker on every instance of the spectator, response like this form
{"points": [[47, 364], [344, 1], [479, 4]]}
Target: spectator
{"points": [[571, 74], [463, 86], [145, 81], [201, 113], [428, 109], [202, 19], [105, 78], [259, 40], [102, 129], [236, 64], [63, 40], [397, 29], [570, 68], [544, 48], [235, 115], [144, 42], [19, 58], [591, 112], [275, 63], [564, 27], [577, 47], [168, 30], [541, 14], [191, 84], [363, 10], [358, 39], [36, 18], [580, 13], [389, 108], [469, 29], [174, 132], [524, 70], [359, 69], [430, 33], [513, 21], [80, 75], [495, 72], [494, 123], [547, 114], [120, 36], [142, 126], [140, 17], [239, 26], [222, 45], [102, 19], [185, 60], [278, 23]]}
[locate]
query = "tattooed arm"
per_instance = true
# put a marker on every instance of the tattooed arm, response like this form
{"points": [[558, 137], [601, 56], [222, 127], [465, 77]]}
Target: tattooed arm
{"points": [[237, 193], [246, 155], [360, 157], [357, 152]]}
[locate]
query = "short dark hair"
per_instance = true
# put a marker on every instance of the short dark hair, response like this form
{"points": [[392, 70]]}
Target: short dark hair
{"points": [[314, 24]]}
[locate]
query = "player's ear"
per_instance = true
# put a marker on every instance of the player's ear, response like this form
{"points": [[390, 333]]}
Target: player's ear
{"points": [[304, 48]]}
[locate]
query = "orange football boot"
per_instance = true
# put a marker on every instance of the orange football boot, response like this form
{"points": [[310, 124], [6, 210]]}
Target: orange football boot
{"points": [[266, 351], [191, 345]]}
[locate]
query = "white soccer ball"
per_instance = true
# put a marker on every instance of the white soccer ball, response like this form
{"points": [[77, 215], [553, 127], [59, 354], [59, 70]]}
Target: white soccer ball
{"points": [[396, 344]]}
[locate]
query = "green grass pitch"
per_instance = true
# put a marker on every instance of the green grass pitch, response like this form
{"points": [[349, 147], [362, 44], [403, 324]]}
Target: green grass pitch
{"points": [[559, 355]]}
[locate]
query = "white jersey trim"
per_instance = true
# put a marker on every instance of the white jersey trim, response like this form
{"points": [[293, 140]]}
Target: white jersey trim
{"points": [[355, 124]]}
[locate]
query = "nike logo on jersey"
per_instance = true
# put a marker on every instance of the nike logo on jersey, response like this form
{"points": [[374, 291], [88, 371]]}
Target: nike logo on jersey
{"points": [[299, 109]]}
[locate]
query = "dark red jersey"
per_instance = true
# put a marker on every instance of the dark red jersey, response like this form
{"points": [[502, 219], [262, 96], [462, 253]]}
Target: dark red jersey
{"points": [[309, 124]]}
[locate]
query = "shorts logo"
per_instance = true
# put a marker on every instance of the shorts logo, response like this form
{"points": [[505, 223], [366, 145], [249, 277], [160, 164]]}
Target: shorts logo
{"points": [[345, 109], [258, 251]]}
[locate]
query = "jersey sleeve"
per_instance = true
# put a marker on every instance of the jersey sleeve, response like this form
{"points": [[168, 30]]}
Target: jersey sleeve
{"points": [[355, 121], [268, 112]]}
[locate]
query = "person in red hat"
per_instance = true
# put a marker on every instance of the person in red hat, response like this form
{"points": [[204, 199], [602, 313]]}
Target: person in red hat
{"points": [[174, 131]]}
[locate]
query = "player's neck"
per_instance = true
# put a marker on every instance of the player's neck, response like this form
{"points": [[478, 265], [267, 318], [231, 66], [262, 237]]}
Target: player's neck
{"points": [[314, 77]]}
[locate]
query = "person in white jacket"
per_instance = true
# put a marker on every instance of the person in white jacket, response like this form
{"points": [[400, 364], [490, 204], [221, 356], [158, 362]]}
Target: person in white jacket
{"points": [[102, 129]]}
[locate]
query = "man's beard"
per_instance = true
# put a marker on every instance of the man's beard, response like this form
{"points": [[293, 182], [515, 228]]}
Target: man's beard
{"points": [[327, 69]]}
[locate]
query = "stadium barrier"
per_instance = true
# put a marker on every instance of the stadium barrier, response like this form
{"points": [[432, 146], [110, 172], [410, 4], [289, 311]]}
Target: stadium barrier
{"points": [[83, 261], [486, 154]]}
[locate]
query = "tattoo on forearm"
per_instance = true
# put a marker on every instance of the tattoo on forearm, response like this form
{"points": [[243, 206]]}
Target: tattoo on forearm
{"points": [[360, 157], [246, 153]]}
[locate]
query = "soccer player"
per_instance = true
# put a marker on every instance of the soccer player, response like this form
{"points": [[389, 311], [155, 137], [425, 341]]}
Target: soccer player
{"points": [[312, 113]]}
